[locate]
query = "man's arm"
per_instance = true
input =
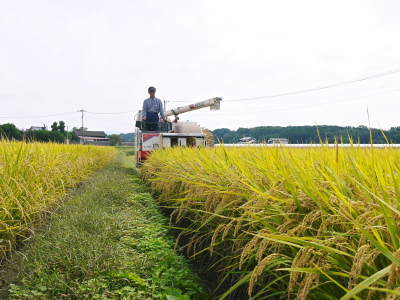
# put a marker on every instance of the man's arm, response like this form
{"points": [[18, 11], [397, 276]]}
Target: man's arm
{"points": [[144, 110]]}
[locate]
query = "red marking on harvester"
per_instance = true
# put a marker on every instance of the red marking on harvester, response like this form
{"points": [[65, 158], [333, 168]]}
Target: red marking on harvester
{"points": [[143, 155], [148, 136]]}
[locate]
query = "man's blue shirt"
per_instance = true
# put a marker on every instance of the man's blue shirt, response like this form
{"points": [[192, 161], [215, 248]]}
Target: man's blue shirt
{"points": [[153, 105]]}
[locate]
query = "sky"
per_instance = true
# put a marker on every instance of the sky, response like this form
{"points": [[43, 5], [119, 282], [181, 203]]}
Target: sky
{"points": [[57, 57]]}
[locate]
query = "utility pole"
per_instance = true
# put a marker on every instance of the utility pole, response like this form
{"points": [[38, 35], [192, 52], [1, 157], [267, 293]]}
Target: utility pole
{"points": [[82, 111], [165, 105]]}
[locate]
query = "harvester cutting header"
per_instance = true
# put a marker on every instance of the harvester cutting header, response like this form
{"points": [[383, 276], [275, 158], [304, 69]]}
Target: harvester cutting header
{"points": [[151, 134]]}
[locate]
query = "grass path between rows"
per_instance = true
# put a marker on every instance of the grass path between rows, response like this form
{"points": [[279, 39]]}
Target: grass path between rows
{"points": [[108, 241]]}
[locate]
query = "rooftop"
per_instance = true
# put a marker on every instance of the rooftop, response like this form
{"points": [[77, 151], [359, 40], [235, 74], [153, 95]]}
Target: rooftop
{"points": [[99, 134]]}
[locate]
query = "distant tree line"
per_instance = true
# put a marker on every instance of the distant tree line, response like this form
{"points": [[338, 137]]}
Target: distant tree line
{"points": [[127, 137], [115, 139], [58, 134], [310, 134]]}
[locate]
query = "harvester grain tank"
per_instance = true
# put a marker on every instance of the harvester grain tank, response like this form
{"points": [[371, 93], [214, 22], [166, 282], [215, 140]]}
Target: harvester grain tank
{"points": [[150, 137]]}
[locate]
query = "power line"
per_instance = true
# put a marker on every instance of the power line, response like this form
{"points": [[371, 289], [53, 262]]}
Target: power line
{"points": [[352, 99], [290, 93], [271, 109], [63, 114], [36, 116], [110, 113], [308, 90]]}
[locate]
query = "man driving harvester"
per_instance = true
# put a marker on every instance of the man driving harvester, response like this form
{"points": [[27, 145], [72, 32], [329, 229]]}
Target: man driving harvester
{"points": [[152, 111]]}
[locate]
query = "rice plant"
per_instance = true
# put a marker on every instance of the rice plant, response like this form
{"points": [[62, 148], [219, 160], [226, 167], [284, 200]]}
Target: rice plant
{"points": [[312, 223], [34, 177]]}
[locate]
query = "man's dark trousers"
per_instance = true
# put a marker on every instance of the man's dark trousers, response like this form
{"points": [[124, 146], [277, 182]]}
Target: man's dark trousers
{"points": [[152, 120]]}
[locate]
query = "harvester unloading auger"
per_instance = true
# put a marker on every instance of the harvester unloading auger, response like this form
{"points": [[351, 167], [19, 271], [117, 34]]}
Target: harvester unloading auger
{"points": [[172, 134], [213, 104]]}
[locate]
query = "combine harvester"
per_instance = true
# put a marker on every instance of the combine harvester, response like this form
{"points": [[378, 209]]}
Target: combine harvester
{"points": [[152, 136]]}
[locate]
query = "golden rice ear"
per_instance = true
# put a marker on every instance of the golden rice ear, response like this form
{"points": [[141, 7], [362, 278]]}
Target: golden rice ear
{"points": [[394, 274], [247, 249], [237, 226], [301, 259], [227, 229], [358, 262], [177, 240], [262, 247], [259, 269], [310, 280], [219, 228]]}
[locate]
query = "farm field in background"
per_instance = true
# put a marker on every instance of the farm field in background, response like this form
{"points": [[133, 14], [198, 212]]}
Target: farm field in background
{"points": [[34, 176], [312, 223]]}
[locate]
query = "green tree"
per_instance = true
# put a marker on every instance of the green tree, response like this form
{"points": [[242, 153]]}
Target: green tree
{"points": [[54, 126], [61, 126], [310, 134], [10, 131], [115, 139], [45, 136], [72, 136]]}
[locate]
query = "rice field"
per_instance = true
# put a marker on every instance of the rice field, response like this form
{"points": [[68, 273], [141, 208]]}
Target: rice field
{"points": [[311, 223], [34, 177]]}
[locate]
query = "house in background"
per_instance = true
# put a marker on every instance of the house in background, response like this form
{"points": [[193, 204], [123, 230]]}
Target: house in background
{"points": [[36, 128], [247, 140], [92, 137], [278, 141]]}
